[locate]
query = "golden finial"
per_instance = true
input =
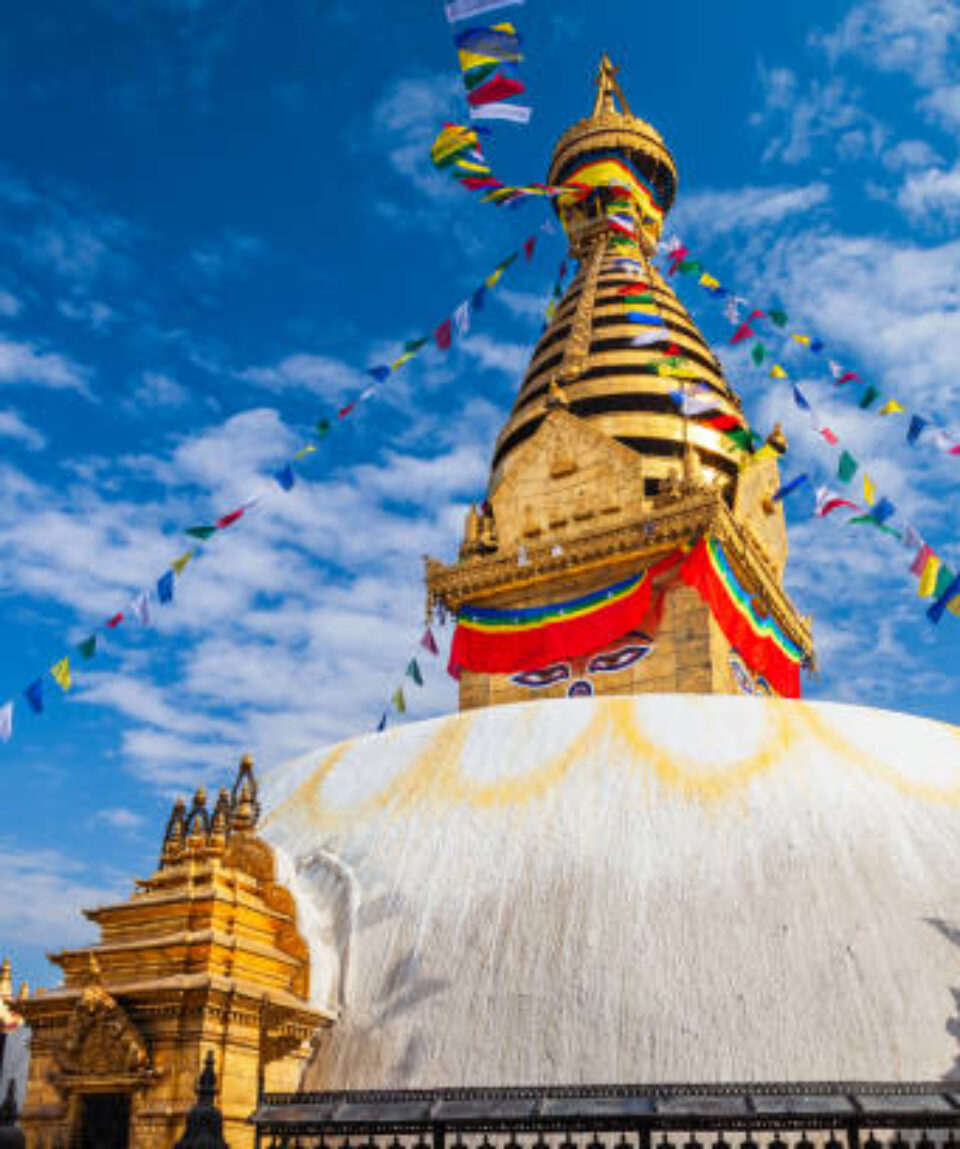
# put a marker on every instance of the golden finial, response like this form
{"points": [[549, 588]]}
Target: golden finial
{"points": [[607, 88], [174, 834], [6, 979], [777, 439], [221, 820], [245, 792]]}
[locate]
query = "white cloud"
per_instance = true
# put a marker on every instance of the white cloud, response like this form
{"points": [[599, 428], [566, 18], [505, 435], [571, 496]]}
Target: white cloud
{"points": [[320, 374], [12, 426], [918, 37], [25, 363], [716, 212], [943, 105], [157, 389], [931, 196], [907, 155], [41, 896], [119, 818], [10, 305], [509, 358]]}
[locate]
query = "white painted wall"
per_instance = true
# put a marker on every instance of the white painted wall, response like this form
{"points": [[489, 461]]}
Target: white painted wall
{"points": [[660, 888]]}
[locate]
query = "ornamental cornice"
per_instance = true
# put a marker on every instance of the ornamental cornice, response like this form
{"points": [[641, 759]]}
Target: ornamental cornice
{"points": [[483, 578]]}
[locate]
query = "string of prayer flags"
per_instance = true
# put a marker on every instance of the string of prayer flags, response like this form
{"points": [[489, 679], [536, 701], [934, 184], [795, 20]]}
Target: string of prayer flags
{"points": [[841, 375]]}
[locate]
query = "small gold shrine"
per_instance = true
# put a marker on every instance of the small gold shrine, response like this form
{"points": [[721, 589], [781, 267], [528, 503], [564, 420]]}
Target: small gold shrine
{"points": [[205, 955]]}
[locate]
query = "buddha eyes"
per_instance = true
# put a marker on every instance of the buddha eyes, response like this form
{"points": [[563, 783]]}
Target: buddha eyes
{"points": [[548, 676]]}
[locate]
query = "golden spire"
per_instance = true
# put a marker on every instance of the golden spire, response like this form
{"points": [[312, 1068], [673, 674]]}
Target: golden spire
{"points": [[607, 88]]}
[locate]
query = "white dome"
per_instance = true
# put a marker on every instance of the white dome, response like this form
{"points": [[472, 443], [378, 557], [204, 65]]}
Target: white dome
{"points": [[659, 888]]}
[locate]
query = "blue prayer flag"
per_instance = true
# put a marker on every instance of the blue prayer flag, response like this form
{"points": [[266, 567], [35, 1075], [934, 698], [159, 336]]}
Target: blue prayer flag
{"points": [[917, 424], [935, 613], [789, 488], [800, 399], [34, 695], [379, 373], [477, 301], [382, 723], [165, 587], [285, 477], [882, 511]]}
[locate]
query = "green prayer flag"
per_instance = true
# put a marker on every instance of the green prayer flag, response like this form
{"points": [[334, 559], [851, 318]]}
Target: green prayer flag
{"points": [[743, 437], [322, 428], [646, 297], [412, 345], [201, 532], [869, 395], [875, 523], [780, 318], [847, 467], [88, 648], [758, 354], [688, 267], [413, 671], [945, 577], [399, 702]]}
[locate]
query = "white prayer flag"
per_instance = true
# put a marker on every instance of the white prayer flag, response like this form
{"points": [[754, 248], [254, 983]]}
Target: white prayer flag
{"points": [[461, 318], [515, 113], [6, 722], [464, 9], [140, 608]]}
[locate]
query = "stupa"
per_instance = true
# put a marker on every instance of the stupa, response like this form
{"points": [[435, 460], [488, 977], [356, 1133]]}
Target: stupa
{"points": [[634, 855]]}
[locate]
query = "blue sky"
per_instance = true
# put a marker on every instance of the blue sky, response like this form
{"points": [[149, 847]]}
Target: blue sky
{"points": [[213, 217]]}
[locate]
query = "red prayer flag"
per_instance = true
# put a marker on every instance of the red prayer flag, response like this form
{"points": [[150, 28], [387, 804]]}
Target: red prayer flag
{"points": [[829, 436], [345, 411], [528, 247], [495, 90], [444, 334], [756, 314], [924, 554], [428, 642], [744, 331], [228, 520], [847, 376], [677, 256], [114, 622], [475, 183], [673, 349], [634, 288]]}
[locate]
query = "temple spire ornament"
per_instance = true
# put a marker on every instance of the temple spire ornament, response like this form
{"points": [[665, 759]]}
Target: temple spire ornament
{"points": [[607, 476]]}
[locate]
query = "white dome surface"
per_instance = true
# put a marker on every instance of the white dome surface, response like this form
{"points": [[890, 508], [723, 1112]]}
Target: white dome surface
{"points": [[655, 888]]}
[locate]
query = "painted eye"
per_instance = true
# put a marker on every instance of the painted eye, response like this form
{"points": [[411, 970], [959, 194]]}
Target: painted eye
{"points": [[580, 689], [548, 676], [614, 660]]}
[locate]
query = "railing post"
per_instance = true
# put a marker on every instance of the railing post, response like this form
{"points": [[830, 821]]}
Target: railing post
{"points": [[439, 1135]]}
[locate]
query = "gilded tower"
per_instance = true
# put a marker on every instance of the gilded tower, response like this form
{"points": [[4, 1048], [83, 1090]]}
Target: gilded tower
{"points": [[626, 446]]}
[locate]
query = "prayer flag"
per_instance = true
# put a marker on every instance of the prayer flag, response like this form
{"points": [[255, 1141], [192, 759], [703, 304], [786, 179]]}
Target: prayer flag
{"points": [[140, 608], [731, 310], [709, 282], [87, 648], [891, 407], [514, 113], [758, 354], [847, 467], [181, 562], [60, 673], [230, 518], [829, 436], [464, 9], [34, 696], [381, 373], [789, 488], [165, 587], [113, 623], [883, 510], [381, 725], [501, 87], [201, 532], [477, 301], [777, 372], [345, 411], [444, 334], [633, 288], [911, 537], [780, 318], [304, 451], [828, 501], [848, 377], [803, 340], [816, 346], [6, 722], [413, 671], [928, 576], [917, 424], [399, 702], [919, 563], [800, 399], [498, 42], [528, 247], [694, 404], [946, 597], [835, 369], [461, 319], [428, 642], [688, 267], [869, 395], [869, 490], [634, 296], [645, 317], [285, 477], [646, 339]]}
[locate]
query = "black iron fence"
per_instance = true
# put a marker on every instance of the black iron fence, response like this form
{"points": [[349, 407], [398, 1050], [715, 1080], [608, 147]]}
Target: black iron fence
{"points": [[783, 1116]]}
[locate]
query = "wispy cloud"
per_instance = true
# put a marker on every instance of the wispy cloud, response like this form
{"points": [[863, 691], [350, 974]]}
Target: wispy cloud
{"points": [[12, 426], [26, 364]]}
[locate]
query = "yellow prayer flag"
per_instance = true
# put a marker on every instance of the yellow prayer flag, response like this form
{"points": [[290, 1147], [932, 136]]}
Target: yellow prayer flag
{"points": [[178, 564], [709, 281], [404, 358], [777, 372], [891, 407], [928, 580], [60, 673], [804, 339], [764, 452], [304, 451], [494, 277], [869, 490]]}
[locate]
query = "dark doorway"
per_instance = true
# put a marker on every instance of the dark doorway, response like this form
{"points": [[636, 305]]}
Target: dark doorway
{"points": [[104, 1121]]}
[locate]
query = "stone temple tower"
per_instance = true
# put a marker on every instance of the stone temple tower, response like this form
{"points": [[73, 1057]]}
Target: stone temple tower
{"points": [[625, 448]]}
